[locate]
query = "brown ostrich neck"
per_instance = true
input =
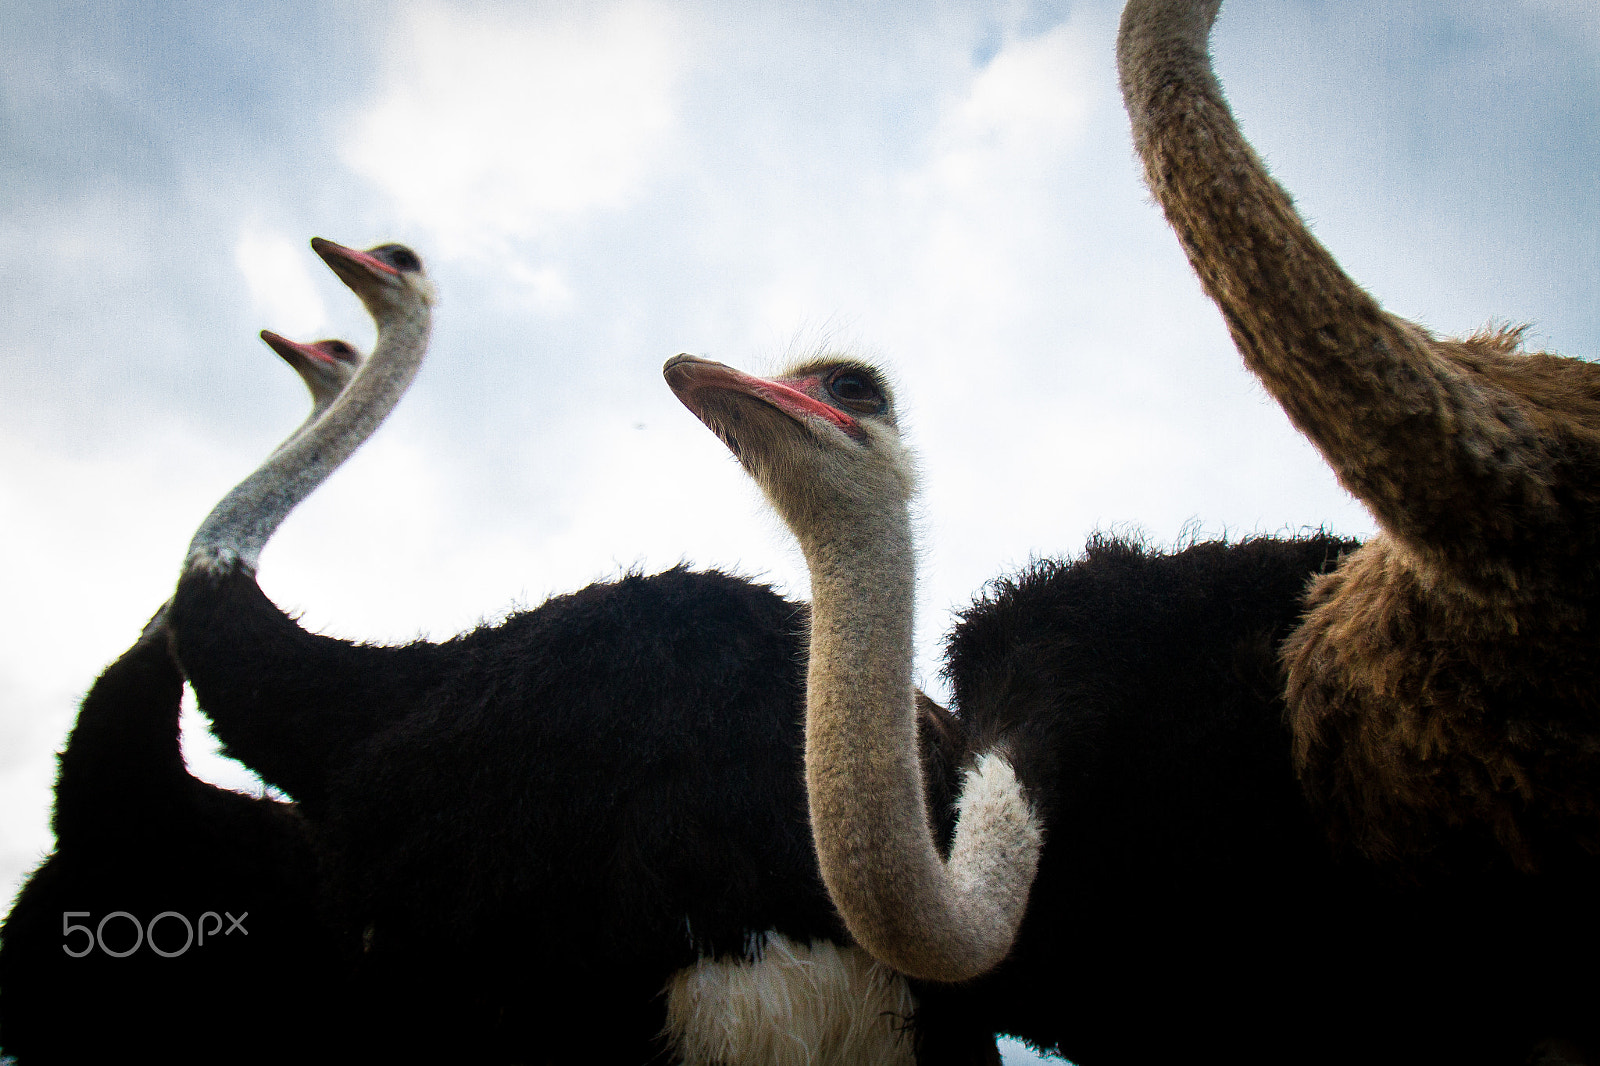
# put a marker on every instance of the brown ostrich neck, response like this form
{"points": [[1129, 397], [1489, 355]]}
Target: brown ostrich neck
{"points": [[1450, 463]]}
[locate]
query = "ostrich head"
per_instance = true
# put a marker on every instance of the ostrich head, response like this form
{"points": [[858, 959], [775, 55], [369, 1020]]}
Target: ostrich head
{"points": [[386, 278], [325, 366], [821, 439]]}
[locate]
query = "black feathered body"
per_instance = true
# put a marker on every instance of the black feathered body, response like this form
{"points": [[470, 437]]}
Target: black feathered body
{"points": [[135, 833], [1188, 900], [533, 825]]}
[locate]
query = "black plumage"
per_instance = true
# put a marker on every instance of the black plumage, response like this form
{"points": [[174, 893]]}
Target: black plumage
{"points": [[242, 967], [1188, 900], [533, 825]]}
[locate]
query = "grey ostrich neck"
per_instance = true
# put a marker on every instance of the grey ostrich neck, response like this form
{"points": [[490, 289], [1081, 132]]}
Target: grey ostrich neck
{"points": [[239, 527], [860, 725], [323, 395], [928, 917]]}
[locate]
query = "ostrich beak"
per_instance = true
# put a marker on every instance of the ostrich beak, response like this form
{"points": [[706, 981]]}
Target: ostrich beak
{"points": [[355, 269], [690, 376], [293, 352]]}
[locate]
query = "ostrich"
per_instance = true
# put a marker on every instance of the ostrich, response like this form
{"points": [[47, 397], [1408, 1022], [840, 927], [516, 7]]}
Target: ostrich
{"points": [[326, 367], [238, 959], [963, 908], [1442, 688], [579, 834], [1186, 900], [390, 282]]}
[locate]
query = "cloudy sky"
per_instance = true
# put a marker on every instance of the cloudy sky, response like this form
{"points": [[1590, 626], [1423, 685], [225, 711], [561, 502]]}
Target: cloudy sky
{"points": [[948, 188]]}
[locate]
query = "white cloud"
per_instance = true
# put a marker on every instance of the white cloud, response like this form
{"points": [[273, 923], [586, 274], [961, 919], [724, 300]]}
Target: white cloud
{"points": [[277, 270], [1031, 101], [545, 287], [991, 185], [496, 124]]}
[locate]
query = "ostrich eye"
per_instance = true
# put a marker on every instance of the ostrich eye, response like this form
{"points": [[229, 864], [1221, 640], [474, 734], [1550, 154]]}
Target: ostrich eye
{"points": [[398, 256], [340, 350], [858, 392]]}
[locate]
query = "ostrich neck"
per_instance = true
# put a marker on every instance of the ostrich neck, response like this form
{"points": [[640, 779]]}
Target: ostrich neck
{"points": [[319, 406], [125, 739], [1450, 464], [860, 723], [240, 526], [869, 821]]}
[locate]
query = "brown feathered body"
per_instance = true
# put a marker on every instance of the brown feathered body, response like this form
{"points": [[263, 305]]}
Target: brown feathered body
{"points": [[1441, 689]]}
